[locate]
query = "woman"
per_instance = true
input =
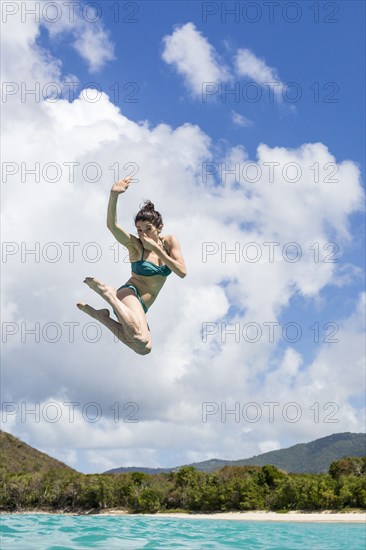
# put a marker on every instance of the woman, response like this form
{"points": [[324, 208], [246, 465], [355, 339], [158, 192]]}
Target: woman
{"points": [[153, 257]]}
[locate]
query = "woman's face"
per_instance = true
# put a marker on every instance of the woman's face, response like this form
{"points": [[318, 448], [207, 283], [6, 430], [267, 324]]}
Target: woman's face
{"points": [[148, 229]]}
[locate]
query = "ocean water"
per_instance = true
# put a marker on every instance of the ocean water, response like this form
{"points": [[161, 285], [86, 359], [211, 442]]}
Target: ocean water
{"points": [[63, 532]]}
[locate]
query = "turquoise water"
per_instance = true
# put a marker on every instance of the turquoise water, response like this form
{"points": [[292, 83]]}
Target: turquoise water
{"points": [[61, 532]]}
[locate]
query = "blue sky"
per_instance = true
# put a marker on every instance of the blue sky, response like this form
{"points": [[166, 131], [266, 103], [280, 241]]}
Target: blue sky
{"points": [[304, 52], [172, 133]]}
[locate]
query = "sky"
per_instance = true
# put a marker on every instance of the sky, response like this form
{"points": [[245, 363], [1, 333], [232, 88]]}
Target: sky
{"points": [[246, 130]]}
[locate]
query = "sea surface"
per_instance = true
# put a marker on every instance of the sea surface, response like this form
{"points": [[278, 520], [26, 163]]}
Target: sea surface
{"points": [[61, 532]]}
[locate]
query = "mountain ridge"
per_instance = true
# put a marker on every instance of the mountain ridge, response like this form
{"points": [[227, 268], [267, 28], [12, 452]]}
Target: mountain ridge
{"points": [[313, 457]]}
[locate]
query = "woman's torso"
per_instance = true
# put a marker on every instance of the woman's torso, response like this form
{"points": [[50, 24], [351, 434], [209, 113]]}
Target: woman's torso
{"points": [[148, 286]]}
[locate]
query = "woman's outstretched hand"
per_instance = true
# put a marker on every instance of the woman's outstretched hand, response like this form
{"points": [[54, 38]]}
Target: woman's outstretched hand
{"points": [[121, 185]]}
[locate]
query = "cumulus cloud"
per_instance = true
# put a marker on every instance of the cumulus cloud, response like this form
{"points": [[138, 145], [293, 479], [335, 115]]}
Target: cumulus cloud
{"points": [[272, 198], [190, 53]]}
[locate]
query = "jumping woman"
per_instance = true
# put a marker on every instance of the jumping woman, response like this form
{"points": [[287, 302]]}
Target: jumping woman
{"points": [[153, 257]]}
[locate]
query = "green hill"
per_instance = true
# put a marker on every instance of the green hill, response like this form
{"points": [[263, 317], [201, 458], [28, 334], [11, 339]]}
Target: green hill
{"points": [[18, 457], [313, 457]]}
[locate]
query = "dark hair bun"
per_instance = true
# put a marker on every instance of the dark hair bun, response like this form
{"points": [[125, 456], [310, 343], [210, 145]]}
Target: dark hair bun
{"points": [[148, 213], [148, 205]]}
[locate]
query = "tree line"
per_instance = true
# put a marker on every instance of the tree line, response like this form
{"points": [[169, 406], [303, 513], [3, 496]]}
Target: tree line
{"points": [[233, 488]]}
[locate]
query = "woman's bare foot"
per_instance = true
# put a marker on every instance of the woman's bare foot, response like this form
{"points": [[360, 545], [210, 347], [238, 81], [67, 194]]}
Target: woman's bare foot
{"points": [[98, 314], [123, 332], [105, 291], [109, 293]]}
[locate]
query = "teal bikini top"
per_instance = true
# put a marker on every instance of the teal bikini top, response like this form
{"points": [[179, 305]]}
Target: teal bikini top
{"points": [[148, 269]]}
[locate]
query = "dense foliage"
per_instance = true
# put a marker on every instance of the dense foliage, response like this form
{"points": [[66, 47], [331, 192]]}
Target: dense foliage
{"points": [[231, 488]]}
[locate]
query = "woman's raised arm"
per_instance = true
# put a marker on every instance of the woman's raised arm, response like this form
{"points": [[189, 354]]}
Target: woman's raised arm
{"points": [[118, 232]]}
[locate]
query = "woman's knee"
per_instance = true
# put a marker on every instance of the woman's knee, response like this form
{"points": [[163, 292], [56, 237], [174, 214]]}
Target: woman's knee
{"points": [[145, 345], [145, 350]]}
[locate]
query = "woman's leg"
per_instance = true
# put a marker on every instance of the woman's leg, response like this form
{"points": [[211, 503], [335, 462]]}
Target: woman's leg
{"points": [[132, 328], [102, 315]]}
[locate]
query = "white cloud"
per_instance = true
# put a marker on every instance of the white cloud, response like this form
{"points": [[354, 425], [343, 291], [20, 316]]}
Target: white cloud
{"points": [[240, 120], [91, 39], [267, 446], [182, 372], [194, 58], [94, 46], [248, 65], [197, 61]]}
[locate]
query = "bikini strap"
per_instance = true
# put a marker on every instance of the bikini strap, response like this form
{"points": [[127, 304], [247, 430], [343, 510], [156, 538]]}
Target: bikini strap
{"points": [[165, 246], [142, 255]]}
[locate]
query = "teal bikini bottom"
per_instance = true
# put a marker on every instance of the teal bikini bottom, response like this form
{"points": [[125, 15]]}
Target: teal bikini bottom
{"points": [[137, 294]]}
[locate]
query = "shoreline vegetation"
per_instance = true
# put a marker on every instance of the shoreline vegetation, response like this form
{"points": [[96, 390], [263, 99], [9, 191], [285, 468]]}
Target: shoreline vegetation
{"points": [[233, 492]]}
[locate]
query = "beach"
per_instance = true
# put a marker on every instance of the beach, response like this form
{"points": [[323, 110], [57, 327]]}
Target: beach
{"points": [[350, 517], [327, 516]]}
